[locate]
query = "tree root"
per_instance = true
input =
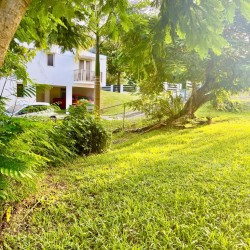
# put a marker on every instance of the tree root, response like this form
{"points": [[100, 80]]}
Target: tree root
{"points": [[179, 123]]}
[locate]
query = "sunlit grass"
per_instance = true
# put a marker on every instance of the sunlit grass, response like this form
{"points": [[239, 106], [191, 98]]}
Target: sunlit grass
{"points": [[168, 189], [112, 102]]}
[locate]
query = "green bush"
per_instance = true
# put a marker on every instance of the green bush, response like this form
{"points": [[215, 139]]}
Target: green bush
{"points": [[18, 162], [223, 102], [23, 151], [8, 129], [49, 141], [160, 106], [16, 159], [87, 134]]}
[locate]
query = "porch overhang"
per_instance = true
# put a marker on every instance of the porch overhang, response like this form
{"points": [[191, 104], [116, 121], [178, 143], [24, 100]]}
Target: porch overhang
{"points": [[84, 85]]}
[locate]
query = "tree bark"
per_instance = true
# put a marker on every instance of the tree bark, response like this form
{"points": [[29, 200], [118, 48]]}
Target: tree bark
{"points": [[197, 99], [202, 95], [11, 13], [97, 77], [119, 80]]}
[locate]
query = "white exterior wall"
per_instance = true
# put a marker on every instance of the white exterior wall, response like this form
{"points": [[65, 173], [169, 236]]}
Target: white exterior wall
{"points": [[61, 74], [9, 91]]}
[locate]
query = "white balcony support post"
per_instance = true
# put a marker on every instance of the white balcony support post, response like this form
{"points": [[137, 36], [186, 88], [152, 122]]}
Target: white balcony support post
{"points": [[68, 96], [84, 77]]}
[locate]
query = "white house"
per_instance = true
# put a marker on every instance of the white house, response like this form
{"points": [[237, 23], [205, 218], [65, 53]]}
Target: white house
{"points": [[64, 77]]}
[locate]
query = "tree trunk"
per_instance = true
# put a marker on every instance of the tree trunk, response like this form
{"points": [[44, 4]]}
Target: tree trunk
{"points": [[119, 80], [11, 13], [202, 95], [97, 77], [196, 100]]}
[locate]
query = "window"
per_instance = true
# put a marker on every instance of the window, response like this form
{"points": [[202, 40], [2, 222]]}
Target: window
{"points": [[50, 60], [19, 90]]}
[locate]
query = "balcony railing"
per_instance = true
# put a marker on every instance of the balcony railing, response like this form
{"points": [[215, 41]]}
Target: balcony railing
{"points": [[82, 75]]}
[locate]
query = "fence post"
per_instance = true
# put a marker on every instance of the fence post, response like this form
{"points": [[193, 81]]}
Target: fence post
{"points": [[123, 117], [111, 88], [121, 88]]}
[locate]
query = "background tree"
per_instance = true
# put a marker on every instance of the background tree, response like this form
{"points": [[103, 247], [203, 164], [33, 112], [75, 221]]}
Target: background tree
{"points": [[115, 65], [228, 71], [117, 47], [199, 23], [178, 52], [101, 20], [226, 67]]}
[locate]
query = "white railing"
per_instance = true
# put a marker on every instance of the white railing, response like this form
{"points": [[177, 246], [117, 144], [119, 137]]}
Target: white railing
{"points": [[82, 75]]}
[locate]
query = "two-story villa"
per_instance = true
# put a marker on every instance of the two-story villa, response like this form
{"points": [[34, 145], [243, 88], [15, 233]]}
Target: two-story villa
{"points": [[64, 76]]}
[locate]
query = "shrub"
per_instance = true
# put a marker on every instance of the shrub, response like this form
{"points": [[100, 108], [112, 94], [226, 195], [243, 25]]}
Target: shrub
{"points": [[49, 141], [223, 102], [87, 134], [16, 159], [159, 106], [230, 106], [25, 150], [8, 129], [18, 162]]}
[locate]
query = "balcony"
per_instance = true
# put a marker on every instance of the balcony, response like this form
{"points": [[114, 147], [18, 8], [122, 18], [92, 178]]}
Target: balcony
{"points": [[82, 75]]}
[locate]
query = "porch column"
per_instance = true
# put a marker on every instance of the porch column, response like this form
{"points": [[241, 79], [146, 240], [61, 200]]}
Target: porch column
{"points": [[68, 96]]}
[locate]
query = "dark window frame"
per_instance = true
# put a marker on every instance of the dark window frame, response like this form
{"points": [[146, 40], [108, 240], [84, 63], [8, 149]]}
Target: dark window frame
{"points": [[19, 90], [51, 59]]}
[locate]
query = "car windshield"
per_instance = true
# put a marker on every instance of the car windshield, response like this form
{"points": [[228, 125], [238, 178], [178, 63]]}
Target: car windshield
{"points": [[14, 109]]}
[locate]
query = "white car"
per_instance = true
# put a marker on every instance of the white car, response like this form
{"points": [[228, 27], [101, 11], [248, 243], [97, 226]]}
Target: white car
{"points": [[36, 108]]}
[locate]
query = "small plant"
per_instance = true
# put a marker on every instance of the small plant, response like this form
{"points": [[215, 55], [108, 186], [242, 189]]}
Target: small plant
{"points": [[228, 106]]}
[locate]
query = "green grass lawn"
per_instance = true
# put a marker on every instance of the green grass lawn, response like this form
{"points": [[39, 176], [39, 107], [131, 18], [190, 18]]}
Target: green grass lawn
{"points": [[109, 99], [167, 189]]}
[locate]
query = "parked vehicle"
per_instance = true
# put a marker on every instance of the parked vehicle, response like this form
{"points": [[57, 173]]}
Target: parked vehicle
{"points": [[75, 99], [61, 102], [27, 108]]}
